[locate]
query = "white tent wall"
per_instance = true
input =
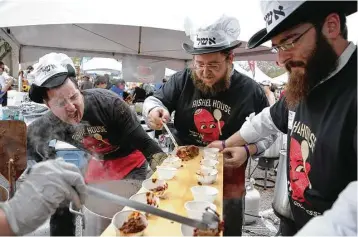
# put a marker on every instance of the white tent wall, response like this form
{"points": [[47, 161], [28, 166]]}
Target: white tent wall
{"points": [[281, 79], [114, 28], [260, 75], [99, 64], [110, 28], [241, 70]]}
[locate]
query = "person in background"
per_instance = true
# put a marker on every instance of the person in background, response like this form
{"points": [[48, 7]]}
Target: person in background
{"points": [[5, 83], [267, 86], [108, 81], [100, 82], [149, 89], [119, 89], [162, 84], [27, 72], [139, 94], [86, 83], [319, 109], [211, 100]]}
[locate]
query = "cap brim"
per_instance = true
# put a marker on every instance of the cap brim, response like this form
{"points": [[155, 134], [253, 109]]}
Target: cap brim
{"points": [[195, 51], [36, 93], [305, 12], [55, 80]]}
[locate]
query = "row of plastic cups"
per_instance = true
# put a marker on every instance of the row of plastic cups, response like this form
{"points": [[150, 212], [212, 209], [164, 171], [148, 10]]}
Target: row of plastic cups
{"points": [[211, 153], [208, 170], [169, 168]]}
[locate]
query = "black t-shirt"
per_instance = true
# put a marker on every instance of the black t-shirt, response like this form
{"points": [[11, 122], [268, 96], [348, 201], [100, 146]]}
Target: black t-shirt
{"points": [[322, 145], [199, 118], [108, 129]]}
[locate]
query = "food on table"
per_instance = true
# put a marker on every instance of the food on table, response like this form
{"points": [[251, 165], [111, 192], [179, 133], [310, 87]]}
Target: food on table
{"points": [[209, 232], [134, 224], [187, 152], [159, 191], [151, 199]]}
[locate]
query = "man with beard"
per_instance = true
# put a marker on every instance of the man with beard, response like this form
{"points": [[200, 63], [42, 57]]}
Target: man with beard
{"points": [[211, 101], [319, 109]]}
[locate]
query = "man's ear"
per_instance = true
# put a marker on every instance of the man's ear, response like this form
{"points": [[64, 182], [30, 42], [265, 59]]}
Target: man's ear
{"points": [[231, 57], [332, 26], [46, 103]]}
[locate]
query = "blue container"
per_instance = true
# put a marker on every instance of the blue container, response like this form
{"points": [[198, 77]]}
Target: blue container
{"points": [[76, 157]]}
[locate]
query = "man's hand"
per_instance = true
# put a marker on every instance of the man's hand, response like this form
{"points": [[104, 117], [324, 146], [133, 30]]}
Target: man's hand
{"points": [[234, 156], [48, 185], [157, 159], [216, 144], [157, 116]]}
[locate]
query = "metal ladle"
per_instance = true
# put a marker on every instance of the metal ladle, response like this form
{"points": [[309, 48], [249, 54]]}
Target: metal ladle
{"points": [[210, 218]]}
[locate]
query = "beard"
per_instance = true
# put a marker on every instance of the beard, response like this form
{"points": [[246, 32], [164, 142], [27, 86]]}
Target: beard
{"points": [[320, 64], [221, 85]]}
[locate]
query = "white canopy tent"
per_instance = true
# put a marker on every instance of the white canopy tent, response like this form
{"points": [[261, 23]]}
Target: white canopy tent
{"points": [[238, 68], [102, 64], [260, 75], [169, 72], [147, 30]]}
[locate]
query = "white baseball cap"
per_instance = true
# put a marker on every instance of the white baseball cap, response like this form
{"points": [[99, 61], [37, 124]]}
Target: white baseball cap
{"points": [[51, 71]]}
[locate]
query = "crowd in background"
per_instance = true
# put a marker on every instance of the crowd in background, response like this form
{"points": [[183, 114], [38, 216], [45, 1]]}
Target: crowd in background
{"points": [[129, 92]]}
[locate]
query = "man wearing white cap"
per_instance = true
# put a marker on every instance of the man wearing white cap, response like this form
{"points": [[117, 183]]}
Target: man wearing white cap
{"points": [[211, 101], [94, 120], [319, 109]]}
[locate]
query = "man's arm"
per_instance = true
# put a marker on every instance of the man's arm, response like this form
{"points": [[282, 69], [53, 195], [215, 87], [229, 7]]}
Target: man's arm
{"points": [[269, 122], [133, 132], [340, 220], [32, 204], [6, 85], [5, 229]]}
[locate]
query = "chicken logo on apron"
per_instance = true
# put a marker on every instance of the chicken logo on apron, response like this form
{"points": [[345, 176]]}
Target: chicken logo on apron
{"points": [[299, 169]]}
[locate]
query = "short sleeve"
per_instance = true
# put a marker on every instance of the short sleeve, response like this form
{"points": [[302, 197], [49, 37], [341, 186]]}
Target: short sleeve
{"points": [[279, 114]]}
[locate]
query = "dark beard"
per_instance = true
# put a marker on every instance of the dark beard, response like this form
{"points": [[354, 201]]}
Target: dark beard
{"points": [[222, 85], [322, 62]]}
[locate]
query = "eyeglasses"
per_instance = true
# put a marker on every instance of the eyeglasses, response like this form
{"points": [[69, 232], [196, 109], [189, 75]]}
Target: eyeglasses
{"points": [[63, 102], [288, 46], [210, 66]]}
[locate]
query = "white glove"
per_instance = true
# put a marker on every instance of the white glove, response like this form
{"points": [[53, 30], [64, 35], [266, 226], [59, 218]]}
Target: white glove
{"points": [[48, 185]]}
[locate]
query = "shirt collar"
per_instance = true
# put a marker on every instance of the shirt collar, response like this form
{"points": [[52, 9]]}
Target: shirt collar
{"points": [[342, 60]]}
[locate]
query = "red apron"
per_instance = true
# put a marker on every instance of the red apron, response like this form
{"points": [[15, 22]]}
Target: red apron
{"points": [[234, 182], [106, 170]]}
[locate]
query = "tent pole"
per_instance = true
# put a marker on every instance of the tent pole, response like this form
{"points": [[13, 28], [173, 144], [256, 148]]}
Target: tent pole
{"points": [[140, 39]]}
